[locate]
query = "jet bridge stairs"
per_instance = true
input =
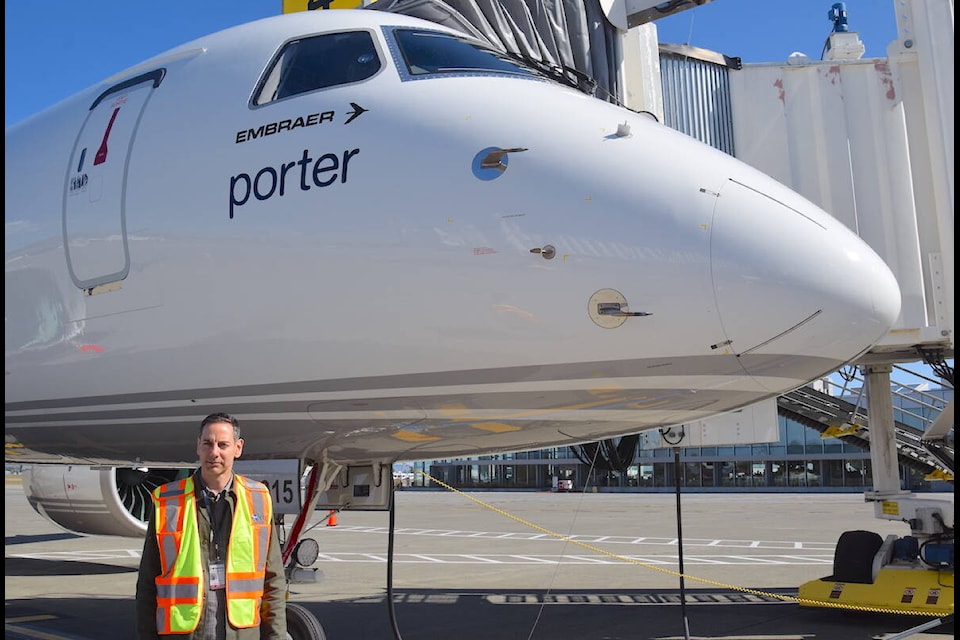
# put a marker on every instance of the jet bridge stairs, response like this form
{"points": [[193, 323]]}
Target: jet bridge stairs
{"points": [[835, 417]]}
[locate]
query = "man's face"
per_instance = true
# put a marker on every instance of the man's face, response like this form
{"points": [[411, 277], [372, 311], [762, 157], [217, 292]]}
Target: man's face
{"points": [[217, 448]]}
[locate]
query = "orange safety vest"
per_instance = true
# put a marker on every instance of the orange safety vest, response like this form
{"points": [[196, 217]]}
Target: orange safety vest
{"points": [[180, 588]]}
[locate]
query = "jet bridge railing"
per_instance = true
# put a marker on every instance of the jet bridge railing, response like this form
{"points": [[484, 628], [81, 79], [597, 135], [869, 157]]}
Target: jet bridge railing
{"points": [[918, 407], [839, 411]]}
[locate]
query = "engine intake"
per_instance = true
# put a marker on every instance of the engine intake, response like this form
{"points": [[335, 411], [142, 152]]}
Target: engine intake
{"points": [[104, 501]]}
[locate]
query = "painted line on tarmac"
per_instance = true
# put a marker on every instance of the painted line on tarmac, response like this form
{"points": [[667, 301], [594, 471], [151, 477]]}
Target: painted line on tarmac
{"points": [[631, 599], [757, 560], [785, 545], [580, 559], [666, 598]]}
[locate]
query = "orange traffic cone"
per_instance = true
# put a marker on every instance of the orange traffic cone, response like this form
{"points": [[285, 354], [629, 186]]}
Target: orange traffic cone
{"points": [[332, 518]]}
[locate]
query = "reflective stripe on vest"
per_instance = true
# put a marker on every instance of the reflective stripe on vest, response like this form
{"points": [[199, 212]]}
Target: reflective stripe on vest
{"points": [[179, 588], [247, 552], [179, 592]]}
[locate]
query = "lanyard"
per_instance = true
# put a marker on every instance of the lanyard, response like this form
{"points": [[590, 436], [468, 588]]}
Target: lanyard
{"points": [[214, 538]]}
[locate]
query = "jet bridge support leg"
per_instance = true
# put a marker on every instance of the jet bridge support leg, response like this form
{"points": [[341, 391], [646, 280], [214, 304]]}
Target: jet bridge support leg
{"points": [[912, 574], [883, 438]]}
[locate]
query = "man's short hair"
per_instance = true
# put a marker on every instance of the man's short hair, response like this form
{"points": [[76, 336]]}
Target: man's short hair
{"points": [[214, 418]]}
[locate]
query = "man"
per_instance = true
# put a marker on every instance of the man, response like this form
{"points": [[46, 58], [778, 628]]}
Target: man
{"points": [[211, 567]]}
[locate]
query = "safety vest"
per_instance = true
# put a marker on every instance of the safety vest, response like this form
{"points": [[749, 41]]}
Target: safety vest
{"points": [[180, 588]]}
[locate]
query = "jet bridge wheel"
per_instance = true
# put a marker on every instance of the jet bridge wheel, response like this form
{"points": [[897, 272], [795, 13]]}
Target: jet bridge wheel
{"points": [[302, 625], [853, 557]]}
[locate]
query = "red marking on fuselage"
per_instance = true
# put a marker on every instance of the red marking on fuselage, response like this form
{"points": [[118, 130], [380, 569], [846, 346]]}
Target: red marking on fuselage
{"points": [[102, 151]]}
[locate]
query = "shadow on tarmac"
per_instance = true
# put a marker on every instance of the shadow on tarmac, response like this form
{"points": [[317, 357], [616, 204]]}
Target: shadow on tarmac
{"points": [[40, 567], [426, 614], [47, 537]]}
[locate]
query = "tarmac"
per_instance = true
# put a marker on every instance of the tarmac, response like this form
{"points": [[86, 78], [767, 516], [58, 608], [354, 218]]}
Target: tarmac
{"points": [[504, 566]]}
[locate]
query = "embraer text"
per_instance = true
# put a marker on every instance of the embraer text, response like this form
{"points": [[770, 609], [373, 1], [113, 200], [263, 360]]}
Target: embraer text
{"points": [[284, 125]]}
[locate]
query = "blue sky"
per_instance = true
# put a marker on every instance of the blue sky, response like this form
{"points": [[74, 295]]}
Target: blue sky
{"points": [[55, 49], [770, 30]]}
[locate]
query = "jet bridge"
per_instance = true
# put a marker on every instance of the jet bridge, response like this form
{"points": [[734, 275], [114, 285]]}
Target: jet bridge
{"points": [[870, 141]]}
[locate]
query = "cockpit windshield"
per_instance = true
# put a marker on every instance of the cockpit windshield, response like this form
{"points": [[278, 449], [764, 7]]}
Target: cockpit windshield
{"points": [[425, 52], [337, 59], [319, 62]]}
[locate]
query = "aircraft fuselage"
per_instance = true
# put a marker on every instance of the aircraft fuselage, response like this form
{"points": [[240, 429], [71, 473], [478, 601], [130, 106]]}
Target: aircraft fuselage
{"points": [[424, 262]]}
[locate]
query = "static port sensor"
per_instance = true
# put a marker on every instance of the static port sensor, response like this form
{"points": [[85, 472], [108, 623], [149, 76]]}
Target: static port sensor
{"points": [[363, 488]]}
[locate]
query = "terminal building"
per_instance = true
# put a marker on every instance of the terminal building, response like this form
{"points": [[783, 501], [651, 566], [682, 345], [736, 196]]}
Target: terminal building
{"points": [[802, 459]]}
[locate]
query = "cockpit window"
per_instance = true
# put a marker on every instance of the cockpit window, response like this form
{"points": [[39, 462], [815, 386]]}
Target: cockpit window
{"points": [[426, 52], [320, 62]]}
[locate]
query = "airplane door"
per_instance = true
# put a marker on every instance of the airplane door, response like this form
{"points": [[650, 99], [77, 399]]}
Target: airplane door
{"points": [[93, 203]]}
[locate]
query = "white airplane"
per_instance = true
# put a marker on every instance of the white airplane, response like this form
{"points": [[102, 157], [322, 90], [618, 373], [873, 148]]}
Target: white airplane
{"points": [[375, 239]]}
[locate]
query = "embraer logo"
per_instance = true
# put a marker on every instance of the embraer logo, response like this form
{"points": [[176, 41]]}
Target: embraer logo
{"points": [[284, 125], [272, 181], [292, 124]]}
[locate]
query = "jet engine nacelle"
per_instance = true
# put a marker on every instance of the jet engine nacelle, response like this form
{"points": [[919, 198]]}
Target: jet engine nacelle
{"points": [[106, 501]]}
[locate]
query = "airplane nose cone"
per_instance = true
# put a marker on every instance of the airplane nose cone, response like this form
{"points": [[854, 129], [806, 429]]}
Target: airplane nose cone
{"points": [[791, 279]]}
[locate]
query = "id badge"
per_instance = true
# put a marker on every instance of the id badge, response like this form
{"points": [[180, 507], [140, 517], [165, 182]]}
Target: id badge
{"points": [[218, 575]]}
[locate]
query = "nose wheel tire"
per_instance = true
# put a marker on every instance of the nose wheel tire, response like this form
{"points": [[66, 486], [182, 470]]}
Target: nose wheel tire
{"points": [[302, 625]]}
